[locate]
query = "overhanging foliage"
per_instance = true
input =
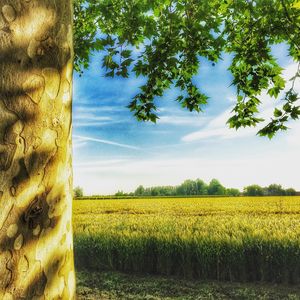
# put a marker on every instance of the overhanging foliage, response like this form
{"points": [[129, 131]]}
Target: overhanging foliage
{"points": [[163, 40]]}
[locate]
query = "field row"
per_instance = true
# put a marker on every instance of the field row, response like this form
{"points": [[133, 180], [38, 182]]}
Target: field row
{"points": [[245, 239]]}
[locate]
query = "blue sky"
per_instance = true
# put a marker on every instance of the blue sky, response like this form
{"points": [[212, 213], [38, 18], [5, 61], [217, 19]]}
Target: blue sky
{"points": [[113, 151]]}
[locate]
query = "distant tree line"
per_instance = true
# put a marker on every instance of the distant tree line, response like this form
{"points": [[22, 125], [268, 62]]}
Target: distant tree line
{"points": [[271, 190], [199, 187], [187, 188]]}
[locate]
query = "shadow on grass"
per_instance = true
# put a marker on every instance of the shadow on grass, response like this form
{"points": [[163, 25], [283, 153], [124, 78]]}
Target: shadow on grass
{"points": [[113, 285]]}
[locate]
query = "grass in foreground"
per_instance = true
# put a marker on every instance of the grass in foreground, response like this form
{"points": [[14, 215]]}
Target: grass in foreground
{"points": [[235, 239], [117, 286]]}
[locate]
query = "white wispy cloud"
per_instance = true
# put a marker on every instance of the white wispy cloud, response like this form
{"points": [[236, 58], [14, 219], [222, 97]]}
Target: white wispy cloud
{"points": [[217, 128], [91, 117], [98, 109], [190, 120], [91, 139], [221, 133], [92, 124], [79, 144], [98, 164]]}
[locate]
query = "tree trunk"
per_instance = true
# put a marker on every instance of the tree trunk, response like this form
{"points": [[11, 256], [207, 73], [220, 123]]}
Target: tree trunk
{"points": [[36, 247]]}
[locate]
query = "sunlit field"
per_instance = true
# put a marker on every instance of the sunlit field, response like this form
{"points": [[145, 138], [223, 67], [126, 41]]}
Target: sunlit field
{"points": [[237, 239]]}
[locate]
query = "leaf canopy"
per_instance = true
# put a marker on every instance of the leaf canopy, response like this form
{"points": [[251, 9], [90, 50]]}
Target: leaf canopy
{"points": [[163, 40]]}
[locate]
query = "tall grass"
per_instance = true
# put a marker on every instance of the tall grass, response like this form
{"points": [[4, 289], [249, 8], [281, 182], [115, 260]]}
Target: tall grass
{"points": [[237, 239]]}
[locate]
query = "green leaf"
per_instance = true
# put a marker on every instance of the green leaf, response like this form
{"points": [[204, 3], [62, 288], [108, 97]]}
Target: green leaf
{"points": [[277, 113]]}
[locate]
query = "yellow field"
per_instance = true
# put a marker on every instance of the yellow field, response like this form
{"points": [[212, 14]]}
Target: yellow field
{"points": [[240, 238]]}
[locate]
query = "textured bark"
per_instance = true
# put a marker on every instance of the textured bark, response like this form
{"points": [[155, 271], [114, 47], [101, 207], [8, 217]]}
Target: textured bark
{"points": [[36, 248]]}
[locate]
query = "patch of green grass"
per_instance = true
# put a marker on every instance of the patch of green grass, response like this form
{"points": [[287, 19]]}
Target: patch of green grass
{"points": [[119, 286]]}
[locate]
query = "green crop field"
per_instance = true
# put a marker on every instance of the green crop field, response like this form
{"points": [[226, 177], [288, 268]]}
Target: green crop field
{"points": [[237, 239]]}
